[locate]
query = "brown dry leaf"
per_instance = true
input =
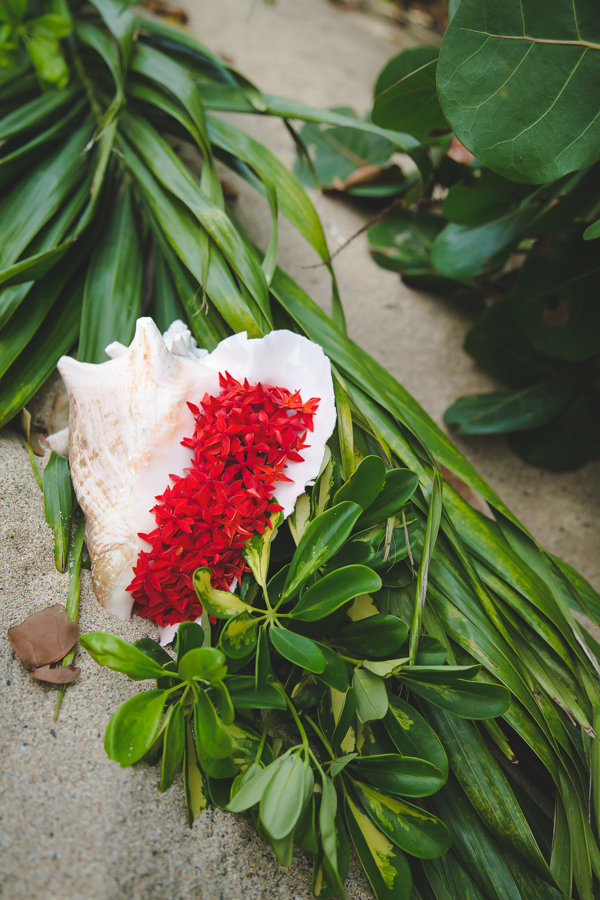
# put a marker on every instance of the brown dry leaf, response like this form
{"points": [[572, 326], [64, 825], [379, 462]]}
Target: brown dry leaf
{"points": [[60, 675], [459, 153], [44, 637], [472, 497]]}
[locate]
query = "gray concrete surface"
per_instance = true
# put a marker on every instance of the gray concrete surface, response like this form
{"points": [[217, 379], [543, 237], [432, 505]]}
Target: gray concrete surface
{"points": [[74, 825]]}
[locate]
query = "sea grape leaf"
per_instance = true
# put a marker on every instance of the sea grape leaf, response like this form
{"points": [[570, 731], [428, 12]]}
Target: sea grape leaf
{"points": [[412, 104], [402, 242], [502, 411], [338, 152], [463, 251], [568, 441], [555, 300], [519, 87], [44, 637], [402, 64]]}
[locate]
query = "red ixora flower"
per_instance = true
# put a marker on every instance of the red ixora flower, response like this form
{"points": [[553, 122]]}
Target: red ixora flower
{"points": [[242, 440]]}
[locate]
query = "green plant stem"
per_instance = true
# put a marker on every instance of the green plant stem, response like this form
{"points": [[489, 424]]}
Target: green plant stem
{"points": [[86, 82], [296, 718], [72, 610], [322, 737]]}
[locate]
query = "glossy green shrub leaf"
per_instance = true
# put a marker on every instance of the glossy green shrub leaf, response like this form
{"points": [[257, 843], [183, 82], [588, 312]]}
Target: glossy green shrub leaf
{"points": [[153, 650], [371, 696], [196, 797], [412, 104], [244, 694], [58, 505], [298, 649], [221, 604], [132, 729], [364, 484], [402, 242], [413, 735], [238, 637], [109, 650], [385, 865], [409, 827], [467, 699], [253, 786], [377, 637], [502, 411], [323, 537], [332, 591], [398, 488], [283, 798], [190, 636], [335, 674], [211, 736], [484, 200], [403, 776], [515, 86], [173, 745], [206, 663]]}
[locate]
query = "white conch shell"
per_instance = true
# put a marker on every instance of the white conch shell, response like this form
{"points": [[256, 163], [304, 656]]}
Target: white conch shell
{"points": [[129, 415]]}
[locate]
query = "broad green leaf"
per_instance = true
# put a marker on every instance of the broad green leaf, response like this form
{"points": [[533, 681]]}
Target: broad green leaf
{"points": [[404, 776], [371, 696], [58, 505], [553, 301], [323, 537], [196, 799], [335, 674], [412, 104], [329, 835], [257, 550], [153, 650], [409, 827], [462, 252], [254, 787], [503, 411], [364, 484], [412, 735], [238, 637], [403, 64], [173, 745], [332, 591], [283, 798], [221, 604], [385, 865], [205, 663], [592, 231], [112, 299], [568, 441], [224, 703], [110, 650], [514, 86], [244, 694], [298, 649], [398, 488], [212, 738], [484, 200], [339, 151], [386, 667], [190, 635], [377, 637], [132, 729]]}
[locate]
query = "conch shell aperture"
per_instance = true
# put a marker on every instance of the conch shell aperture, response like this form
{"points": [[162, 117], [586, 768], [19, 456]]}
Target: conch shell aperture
{"points": [[129, 415]]}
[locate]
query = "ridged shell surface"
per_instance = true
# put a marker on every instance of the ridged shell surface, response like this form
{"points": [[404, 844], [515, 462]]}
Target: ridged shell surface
{"points": [[129, 415]]}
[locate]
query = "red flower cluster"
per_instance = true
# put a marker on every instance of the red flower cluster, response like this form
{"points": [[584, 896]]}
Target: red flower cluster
{"points": [[242, 440]]}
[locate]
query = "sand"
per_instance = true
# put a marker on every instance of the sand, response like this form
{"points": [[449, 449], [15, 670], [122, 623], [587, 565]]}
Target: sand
{"points": [[73, 824]]}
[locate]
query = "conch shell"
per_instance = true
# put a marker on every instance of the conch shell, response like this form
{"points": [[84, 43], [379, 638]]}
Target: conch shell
{"points": [[128, 417]]}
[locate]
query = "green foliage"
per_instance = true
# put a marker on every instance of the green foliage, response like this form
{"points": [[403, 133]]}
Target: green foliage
{"points": [[472, 591]]}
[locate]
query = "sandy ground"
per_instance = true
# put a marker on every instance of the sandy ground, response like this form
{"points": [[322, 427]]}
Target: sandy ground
{"points": [[72, 824]]}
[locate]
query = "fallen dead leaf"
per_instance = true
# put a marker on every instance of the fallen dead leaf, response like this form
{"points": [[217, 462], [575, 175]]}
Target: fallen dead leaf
{"points": [[44, 637], [60, 675]]}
